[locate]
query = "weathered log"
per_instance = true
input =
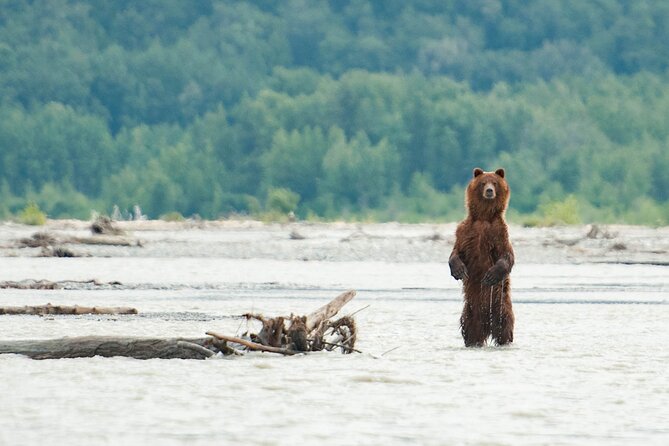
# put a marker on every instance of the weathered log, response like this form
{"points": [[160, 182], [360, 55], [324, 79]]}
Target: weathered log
{"points": [[46, 239], [63, 309], [31, 284], [252, 345], [108, 346], [328, 310], [108, 240]]}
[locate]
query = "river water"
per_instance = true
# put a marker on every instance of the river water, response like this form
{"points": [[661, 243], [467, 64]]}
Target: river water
{"points": [[588, 365]]}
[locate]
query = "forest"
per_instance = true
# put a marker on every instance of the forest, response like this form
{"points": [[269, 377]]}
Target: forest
{"points": [[335, 109]]}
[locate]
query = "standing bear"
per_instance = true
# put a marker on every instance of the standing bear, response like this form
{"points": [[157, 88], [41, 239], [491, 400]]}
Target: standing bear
{"points": [[482, 258]]}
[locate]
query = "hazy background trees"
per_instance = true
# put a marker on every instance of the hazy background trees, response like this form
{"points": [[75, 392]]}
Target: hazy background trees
{"points": [[360, 108]]}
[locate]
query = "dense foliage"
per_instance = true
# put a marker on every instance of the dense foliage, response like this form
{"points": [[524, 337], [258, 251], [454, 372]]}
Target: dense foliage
{"points": [[357, 109]]}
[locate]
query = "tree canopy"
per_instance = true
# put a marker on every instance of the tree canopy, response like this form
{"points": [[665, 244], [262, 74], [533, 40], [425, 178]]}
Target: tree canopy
{"points": [[336, 108]]}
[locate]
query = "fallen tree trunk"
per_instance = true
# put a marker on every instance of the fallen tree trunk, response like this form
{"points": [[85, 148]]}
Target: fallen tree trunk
{"points": [[45, 240], [107, 240], [64, 309], [31, 284], [108, 346]]}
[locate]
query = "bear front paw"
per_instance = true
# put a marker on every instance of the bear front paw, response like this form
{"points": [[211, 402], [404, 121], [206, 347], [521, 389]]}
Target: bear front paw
{"points": [[458, 268], [493, 276]]}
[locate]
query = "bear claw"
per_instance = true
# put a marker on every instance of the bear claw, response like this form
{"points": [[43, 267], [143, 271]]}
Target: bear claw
{"points": [[492, 276], [458, 269]]}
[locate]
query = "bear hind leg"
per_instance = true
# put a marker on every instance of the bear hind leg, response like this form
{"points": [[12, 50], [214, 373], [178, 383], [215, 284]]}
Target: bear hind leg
{"points": [[502, 329], [472, 327]]}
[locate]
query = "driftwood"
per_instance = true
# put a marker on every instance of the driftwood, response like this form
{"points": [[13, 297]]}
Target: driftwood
{"points": [[105, 225], [48, 241], [49, 244], [252, 345], [31, 284], [283, 335], [196, 348], [108, 346], [58, 251], [313, 332], [328, 310], [37, 240], [294, 235], [63, 309], [107, 240]]}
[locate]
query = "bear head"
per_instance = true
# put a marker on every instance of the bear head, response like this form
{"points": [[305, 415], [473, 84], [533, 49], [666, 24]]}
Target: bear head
{"points": [[487, 194]]}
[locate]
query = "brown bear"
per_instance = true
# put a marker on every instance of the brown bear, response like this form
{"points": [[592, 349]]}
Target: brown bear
{"points": [[482, 258]]}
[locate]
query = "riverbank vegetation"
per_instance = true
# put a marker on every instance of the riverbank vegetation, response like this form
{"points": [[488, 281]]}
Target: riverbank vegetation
{"points": [[335, 109]]}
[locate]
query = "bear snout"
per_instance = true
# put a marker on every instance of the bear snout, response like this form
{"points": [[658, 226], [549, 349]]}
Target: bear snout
{"points": [[489, 191]]}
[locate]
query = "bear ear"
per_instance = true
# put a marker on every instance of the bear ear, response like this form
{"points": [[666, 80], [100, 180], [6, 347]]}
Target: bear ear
{"points": [[478, 171], [500, 172]]}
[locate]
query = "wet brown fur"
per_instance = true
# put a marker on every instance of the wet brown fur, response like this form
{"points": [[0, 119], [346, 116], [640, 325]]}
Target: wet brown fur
{"points": [[482, 258]]}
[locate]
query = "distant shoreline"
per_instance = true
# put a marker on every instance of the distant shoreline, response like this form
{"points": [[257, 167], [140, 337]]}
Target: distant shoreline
{"points": [[337, 241]]}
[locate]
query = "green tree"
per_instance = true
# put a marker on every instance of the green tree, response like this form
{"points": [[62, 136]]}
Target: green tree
{"points": [[358, 172], [295, 161]]}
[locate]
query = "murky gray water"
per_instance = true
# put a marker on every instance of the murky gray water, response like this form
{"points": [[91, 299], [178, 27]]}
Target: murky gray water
{"points": [[589, 365]]}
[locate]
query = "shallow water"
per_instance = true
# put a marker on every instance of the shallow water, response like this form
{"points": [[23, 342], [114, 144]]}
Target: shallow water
{"points": [[589, 364]]}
